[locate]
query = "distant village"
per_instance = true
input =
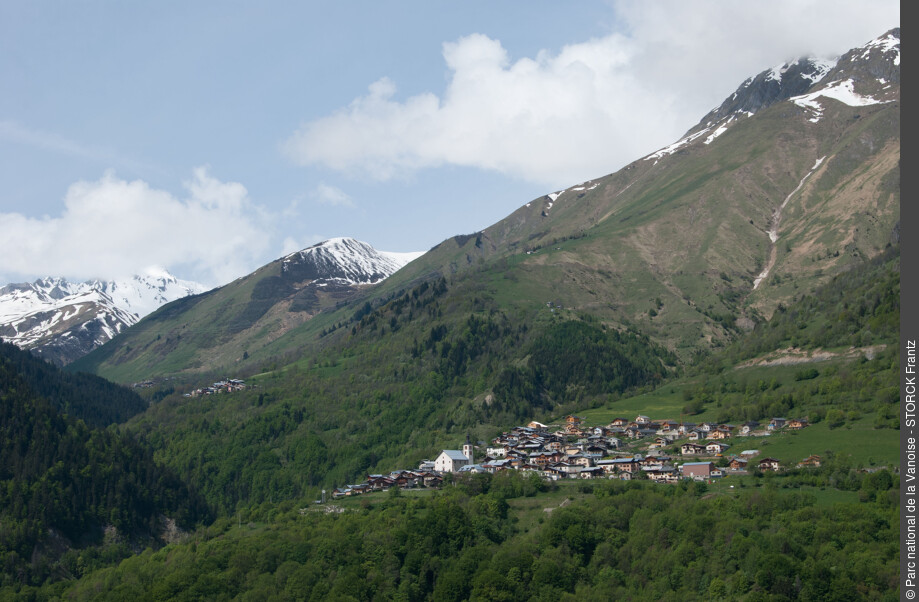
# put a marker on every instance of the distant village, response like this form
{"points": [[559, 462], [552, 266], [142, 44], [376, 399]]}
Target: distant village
{"points": [[228, 385], [623, 449]]}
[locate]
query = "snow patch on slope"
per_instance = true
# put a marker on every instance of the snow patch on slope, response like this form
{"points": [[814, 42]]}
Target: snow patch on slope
{"points": [[776, 73], [583, 188], [843, 91], [821, 68], [721, 129], [669, 150]]}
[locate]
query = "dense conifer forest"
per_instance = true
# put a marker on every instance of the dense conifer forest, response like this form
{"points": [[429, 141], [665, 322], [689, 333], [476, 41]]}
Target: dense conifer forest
{"points": [[86, 397], [68, 490]]}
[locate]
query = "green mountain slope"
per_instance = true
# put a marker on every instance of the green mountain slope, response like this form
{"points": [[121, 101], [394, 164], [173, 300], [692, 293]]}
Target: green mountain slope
{"points": [[492, 536], [677, 245], [399, 382], [391, 384]]}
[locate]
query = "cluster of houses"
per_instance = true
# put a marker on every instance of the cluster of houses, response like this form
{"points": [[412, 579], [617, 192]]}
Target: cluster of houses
{"points": [[665, 432], [404, 479], [429, 473], [576, 451], [227, 385]]}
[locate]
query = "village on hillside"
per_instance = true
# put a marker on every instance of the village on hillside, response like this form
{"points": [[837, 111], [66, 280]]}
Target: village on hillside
{"points": [[623, 449], [227, 385]]}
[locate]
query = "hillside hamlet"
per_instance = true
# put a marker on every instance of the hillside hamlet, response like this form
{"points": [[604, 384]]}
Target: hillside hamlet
{"points": [[664, 451]]}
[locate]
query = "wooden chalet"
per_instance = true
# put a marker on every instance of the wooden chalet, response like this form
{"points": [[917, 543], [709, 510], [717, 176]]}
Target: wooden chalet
{"points": [[748, 427], [776, 423], [719, 434], [692, 449], [770, 464], [593, 472], [573, 424], [663, 474], [813, 460], [716, 448], [738, 464]]}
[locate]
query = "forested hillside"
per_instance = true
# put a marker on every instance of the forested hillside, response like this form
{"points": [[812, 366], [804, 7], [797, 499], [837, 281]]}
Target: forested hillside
{"points": [[66, 488], [396, 382], [81, 396], [505, 537], [260, 456]]}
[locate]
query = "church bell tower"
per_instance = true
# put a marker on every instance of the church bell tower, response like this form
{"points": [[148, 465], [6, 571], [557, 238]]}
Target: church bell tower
{"points": [[467, 449]]}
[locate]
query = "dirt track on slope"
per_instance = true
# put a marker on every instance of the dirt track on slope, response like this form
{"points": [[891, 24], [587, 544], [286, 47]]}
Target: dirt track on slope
{"points": [[792, 356]]}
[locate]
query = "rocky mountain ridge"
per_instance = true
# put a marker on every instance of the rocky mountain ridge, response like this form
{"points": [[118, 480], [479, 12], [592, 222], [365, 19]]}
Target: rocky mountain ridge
{"points": [[61, 320]]}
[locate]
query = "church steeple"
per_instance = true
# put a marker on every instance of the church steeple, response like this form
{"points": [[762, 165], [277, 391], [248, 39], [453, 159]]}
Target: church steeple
{"points": [[467, 449]]}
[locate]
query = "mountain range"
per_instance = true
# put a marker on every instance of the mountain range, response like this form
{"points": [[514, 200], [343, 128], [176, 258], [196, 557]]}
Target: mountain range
{"points": [[792, 179], [61, 321]]}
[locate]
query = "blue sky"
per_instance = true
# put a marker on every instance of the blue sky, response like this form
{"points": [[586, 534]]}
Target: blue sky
{"points": [[212, 137]]}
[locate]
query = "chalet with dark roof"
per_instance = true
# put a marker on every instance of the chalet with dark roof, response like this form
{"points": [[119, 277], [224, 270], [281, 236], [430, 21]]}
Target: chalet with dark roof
{"points": [[769, 464]]}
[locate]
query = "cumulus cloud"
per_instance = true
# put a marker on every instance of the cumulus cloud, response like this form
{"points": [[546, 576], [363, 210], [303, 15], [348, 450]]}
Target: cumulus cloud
{"points": [[332, 195], [563, 117], [113, 227]]}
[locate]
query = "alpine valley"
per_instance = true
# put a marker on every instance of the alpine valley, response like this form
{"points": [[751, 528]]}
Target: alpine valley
{"points": [[749, 271]]}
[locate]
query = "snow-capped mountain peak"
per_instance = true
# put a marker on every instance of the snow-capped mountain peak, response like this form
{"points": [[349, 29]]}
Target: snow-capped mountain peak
{"points": [[63, 320], [863, 76], [345, 261], [144, 293], [868, 74]]}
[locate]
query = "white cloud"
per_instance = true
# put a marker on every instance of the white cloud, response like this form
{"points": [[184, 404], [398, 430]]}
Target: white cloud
{"points": [[567, 116], [113, 227], [331, 195]]}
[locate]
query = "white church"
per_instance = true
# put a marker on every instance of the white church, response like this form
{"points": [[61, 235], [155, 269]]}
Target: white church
{"points": [[451, 460]]}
